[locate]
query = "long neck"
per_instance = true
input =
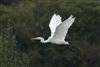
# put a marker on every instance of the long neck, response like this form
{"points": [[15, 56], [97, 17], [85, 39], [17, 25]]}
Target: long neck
{"points": [[42, 40]]}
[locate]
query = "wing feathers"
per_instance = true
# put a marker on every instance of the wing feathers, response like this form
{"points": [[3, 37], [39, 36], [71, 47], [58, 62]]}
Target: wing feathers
{"points": [[62, 29], [68, 22], [55, 21]]}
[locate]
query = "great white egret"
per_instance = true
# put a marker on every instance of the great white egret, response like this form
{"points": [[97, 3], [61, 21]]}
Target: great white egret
{"points": [[58, 29]]}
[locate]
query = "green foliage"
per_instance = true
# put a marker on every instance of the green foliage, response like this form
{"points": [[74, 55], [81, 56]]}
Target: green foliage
{"points": [[20, 20], [9, 56]]}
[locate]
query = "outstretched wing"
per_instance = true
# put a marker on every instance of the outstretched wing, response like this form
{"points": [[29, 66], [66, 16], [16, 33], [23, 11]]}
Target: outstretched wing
{"points": [[62, 29], [54, 22]]}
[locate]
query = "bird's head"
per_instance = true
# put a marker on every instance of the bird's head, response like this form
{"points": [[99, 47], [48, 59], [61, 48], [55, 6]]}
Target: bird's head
{"points": [[37, 38]]}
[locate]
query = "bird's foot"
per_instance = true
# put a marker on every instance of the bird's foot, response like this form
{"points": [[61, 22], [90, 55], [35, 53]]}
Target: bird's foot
{"points": [[66, 43]]}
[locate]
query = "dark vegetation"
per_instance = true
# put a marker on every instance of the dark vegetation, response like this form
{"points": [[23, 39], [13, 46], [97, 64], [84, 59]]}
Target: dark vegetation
{"points": [[20, 20]]}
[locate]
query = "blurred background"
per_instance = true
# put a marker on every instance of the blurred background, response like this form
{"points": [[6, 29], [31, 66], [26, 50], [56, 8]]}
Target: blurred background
{"points": [[20, 20]]}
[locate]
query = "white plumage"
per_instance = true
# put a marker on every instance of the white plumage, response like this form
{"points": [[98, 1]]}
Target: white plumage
{"points": [[58, 29]]}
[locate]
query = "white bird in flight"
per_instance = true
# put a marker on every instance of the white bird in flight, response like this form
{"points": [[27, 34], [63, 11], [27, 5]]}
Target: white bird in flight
{"points": [[58, 29]]}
